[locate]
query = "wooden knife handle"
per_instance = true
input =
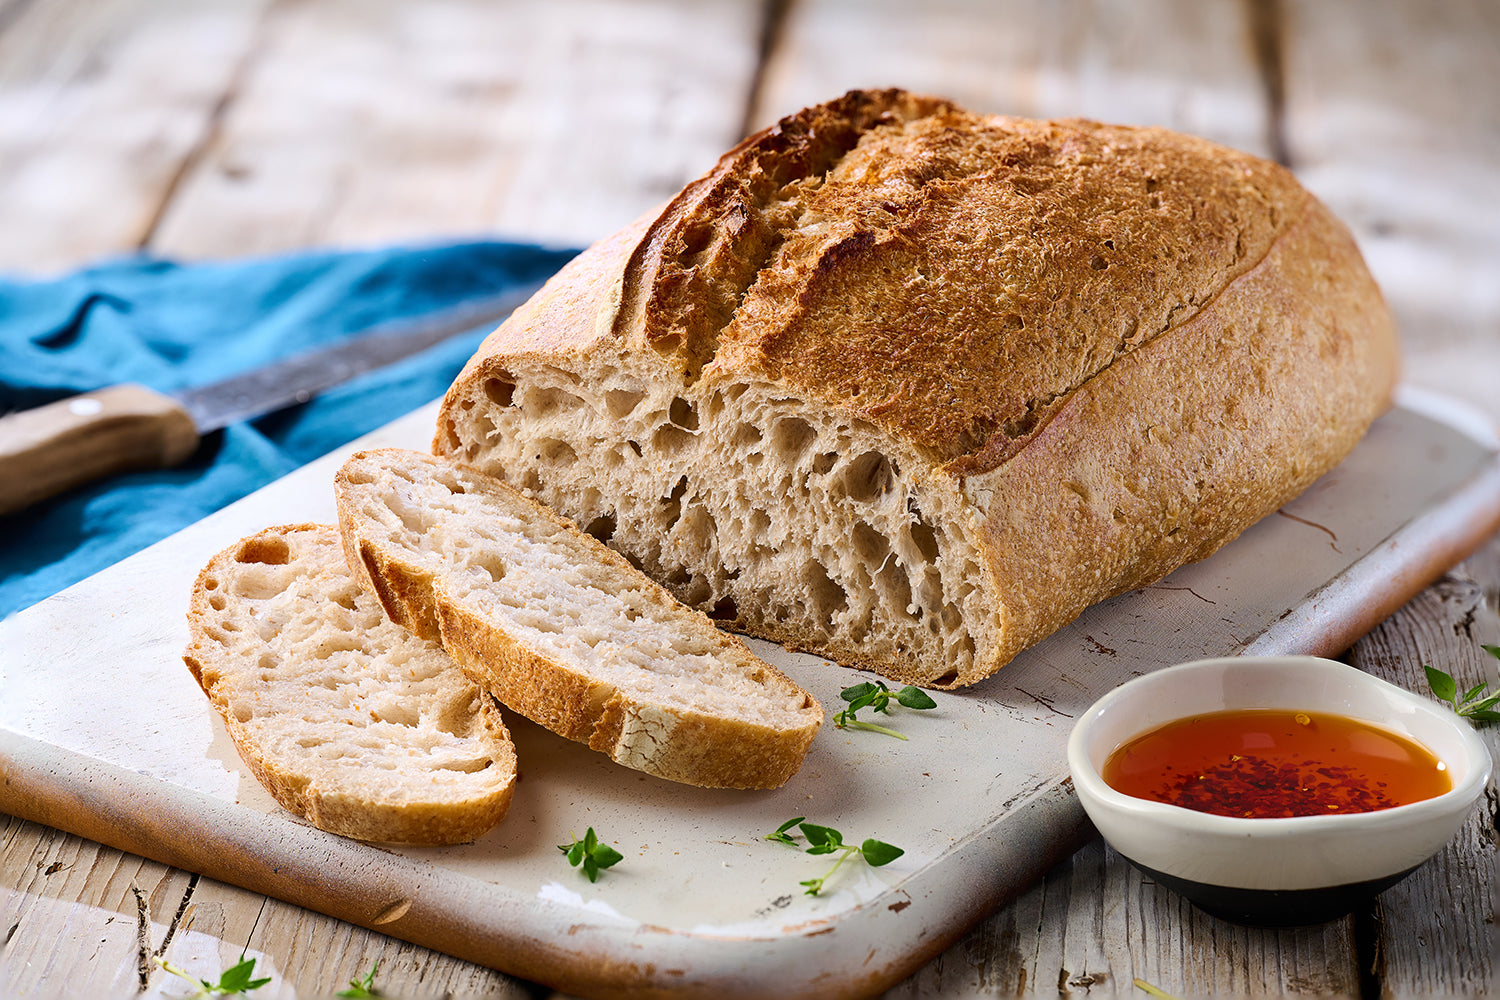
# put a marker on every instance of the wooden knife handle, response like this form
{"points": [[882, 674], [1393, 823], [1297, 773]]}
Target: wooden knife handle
{"points": [[52, 448]]}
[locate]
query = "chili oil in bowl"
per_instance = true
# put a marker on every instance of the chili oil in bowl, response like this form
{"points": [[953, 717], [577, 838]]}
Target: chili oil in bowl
{"points": [[1278, 790]]}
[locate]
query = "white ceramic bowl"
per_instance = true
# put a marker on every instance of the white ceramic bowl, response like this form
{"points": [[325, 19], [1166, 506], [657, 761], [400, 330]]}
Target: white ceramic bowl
{"points": [[1297, 870]]}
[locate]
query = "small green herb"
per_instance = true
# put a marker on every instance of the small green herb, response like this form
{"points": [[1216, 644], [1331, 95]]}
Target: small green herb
{"points": [[1476, 703], [591, 854], [827, 840], [363, 989], [877, 698], [235, 979]]}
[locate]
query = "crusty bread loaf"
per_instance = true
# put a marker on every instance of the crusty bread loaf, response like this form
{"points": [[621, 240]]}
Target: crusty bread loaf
{"points": [[911, 387], [344, 717], [565, 631]]}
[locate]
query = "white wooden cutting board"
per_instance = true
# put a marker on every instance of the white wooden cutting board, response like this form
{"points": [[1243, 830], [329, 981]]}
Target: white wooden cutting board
{"points": [[104, 733]]}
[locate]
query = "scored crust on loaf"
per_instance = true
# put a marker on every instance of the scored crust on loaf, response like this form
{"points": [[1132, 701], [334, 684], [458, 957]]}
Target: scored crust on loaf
{"points": [[565, 631], [911, 387], [346, 718]]}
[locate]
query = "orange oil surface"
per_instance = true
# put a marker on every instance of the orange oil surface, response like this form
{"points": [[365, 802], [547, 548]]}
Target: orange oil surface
{"points": [[1264, 763]]}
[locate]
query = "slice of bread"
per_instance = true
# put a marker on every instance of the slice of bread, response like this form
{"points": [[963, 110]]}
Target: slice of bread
{"points": [[565, 631], [347, 719]]}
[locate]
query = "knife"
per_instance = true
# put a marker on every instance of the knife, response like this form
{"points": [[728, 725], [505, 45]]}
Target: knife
{"points": [[120, 428]]}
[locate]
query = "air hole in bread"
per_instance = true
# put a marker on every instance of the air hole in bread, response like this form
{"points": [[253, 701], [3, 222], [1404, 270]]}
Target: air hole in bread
{"points": [[672, 504], [791, 436], [555, 452], [491, 562], [894, 585], [745, 435], [217, 602], [952, 675], [827, 598], [500, 391], [690, 589], [621, 403], [683, 414], [257, 585], [696, 239], [485, 429], [1098, 263], [543, 401], [870, 545], [925, 537], [670, 439], [272, 550], [210, 583], [242, 711], [869, 476], [1013, 322], [759, 523], [635, 446], [724, 610], [466, 766], [341, 643], [602, 527], [397, 714], [824, 462], [345, 597]]}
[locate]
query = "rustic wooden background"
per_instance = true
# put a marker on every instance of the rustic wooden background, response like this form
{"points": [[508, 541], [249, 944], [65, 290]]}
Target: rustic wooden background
{"points": [[217, 128]]}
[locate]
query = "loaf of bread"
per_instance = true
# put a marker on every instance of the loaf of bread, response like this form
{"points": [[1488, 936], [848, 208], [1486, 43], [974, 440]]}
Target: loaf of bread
{"points": [[911, 387], [563, 630], [346, 718]]}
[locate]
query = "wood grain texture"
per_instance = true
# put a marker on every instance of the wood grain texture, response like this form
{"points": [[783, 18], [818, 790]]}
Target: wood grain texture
{"points": [[1391, 113], [208, 129], [87, 920], [100, 105], [363, 122], [1424, 947], [1179, 63]]}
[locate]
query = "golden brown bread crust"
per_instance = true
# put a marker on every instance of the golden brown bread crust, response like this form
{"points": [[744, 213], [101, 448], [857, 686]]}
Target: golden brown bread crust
{"points": [[1115, 347]]}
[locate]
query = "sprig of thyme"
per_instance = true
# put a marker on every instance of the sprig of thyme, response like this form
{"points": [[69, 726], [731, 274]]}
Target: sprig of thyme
{"points": [[591, 854], [827, 840], [877, 698]]}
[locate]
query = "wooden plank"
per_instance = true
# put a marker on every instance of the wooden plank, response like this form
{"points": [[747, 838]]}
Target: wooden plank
{"points": [[1185, 64], [1095, 924], [80, 919], [100, 105], [1390, 118], [373, 121], [1437, 933]]}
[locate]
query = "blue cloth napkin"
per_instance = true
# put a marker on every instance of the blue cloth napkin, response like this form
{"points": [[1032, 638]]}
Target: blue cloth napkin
{"points": [[171, 326]]}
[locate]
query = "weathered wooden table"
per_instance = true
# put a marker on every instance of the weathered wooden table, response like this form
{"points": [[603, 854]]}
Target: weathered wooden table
{"points": [[224, 127]]}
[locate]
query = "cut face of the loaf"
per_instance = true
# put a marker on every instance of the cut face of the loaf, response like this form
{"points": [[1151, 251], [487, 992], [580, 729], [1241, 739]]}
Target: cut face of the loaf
{"points": [[768, 515]]}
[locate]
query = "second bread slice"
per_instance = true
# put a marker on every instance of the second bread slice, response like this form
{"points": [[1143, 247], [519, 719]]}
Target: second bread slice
{"points": [[565, 631]]}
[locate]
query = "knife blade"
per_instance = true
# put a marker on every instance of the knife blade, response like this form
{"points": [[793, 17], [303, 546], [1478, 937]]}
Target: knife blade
{"points": [[128, 427]]}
